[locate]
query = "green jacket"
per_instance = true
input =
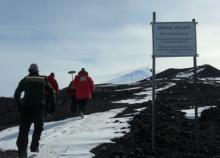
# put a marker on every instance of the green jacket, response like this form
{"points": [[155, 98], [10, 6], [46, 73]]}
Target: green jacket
{"points": [[34, 87]]}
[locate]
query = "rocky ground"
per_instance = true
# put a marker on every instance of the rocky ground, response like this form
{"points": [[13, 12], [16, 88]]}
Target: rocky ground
{"points": [[175, 135]]}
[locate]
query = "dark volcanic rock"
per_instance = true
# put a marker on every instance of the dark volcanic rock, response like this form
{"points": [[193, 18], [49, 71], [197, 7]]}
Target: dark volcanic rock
{"points": [[175, 135], [205, 71]]}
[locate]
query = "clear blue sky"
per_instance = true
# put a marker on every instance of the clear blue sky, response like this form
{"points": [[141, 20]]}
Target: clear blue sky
{"points": [[107, 37]]}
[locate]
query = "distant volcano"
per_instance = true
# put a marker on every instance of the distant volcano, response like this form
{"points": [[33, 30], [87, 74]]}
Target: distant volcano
{"points": [[132, 77]]}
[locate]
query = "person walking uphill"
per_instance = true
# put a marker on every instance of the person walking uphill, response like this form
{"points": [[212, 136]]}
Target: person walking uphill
{"points": [[49, 107], [30, 108], [84, 86]]}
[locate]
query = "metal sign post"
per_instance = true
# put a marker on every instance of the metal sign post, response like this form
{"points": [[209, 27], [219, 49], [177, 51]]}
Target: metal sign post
{"points": [[153, 92], [173, 39], [196, 95], [196, 103]]}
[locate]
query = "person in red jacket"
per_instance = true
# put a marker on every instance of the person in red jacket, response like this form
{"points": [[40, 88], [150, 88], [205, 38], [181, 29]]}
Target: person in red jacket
{"points": [[51, 79], [84, 86], [49, 108]]}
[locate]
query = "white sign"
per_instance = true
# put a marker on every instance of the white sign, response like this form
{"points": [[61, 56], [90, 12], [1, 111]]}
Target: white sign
{"points": [[174, 39]]}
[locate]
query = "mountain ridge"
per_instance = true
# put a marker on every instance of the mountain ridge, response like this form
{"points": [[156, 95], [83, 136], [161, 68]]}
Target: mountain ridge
{"points": [[203, 71]]}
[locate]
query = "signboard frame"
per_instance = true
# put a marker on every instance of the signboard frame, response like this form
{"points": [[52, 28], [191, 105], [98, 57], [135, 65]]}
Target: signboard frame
{"points": [[174, 39]]}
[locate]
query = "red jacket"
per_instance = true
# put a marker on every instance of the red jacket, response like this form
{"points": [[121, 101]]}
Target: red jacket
{"points": [[53, 83], [84, 85]]}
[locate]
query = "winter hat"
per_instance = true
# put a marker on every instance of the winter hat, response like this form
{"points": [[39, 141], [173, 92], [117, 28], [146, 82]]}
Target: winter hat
{"points": [[52, 74], [83, 69], [33, 68]]}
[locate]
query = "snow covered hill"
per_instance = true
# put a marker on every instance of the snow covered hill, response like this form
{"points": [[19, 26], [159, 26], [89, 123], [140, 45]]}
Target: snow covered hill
{"points": [[132, 77]]}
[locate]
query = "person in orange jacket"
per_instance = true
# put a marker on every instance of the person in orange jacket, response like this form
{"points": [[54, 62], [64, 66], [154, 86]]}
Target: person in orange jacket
{"points": [[49, 108], [84, 86]]}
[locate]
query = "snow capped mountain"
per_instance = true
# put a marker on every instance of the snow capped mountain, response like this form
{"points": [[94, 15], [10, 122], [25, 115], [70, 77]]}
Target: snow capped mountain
{"points": [[132, 77]]}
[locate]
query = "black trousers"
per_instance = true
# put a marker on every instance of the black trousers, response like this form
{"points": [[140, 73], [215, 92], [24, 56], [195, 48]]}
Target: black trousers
{"points": [[82, 104], [78, 104], [29, 116], [73, 105]]}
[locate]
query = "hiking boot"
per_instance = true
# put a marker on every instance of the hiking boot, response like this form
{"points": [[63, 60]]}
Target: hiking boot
{"points": [[81, 115], [22, 154], [34, 149]]}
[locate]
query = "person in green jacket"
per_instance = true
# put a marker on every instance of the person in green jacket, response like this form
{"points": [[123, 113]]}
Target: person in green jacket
{"points": [[31, 107]]}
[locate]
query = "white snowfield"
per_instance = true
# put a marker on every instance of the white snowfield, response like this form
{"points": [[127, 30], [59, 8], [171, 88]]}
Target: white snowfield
{"points": [[73, 137]]}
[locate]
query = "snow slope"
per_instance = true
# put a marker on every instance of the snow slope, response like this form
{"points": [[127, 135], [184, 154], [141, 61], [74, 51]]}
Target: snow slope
{"points": [[132, 77], [147, 95], [73, 137]]}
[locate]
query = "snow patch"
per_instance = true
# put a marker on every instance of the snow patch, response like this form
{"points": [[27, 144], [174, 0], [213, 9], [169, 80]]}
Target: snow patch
{"points": [[190, 113], [147, 92], [188, 74], [73, 137], [128, 89]]}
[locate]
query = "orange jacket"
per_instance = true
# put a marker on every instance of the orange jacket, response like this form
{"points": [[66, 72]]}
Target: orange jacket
{"points": [[84, 85]]}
